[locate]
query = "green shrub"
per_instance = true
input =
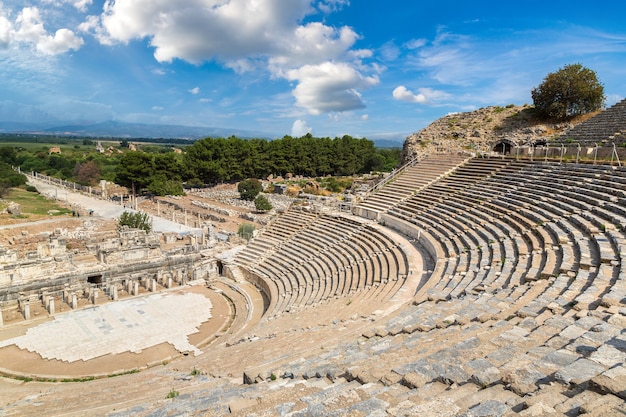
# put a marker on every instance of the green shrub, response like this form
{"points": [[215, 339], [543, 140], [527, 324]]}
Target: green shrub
{"points": [[249, 189], [262, 203], [135, 220]]}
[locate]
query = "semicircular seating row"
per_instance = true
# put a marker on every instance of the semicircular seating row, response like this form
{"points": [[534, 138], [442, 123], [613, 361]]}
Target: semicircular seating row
{"points": [[525, 309], [498, 223], [305, 258]]}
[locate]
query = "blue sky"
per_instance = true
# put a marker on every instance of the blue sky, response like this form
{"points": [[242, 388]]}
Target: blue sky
{"points": [[379, 69]]}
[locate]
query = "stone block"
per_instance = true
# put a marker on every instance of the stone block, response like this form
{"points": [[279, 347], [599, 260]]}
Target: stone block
{"points": [[578, 372], [489, 408], [538, 410], [413, 380], [608, 356], [525, 380], [612, 381]]}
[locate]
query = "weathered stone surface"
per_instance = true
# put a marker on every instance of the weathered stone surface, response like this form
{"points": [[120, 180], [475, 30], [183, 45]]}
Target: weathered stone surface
{"points": [[612, 381], [537, 410], [560, 358], [14, 209], [486, 377], [578, 372], [413, 380], [608, 356], [453, 375], [490, 408], [444, 407], [607, 405], [524, 380]]}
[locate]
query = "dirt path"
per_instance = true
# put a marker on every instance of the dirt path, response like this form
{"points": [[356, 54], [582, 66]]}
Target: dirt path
{"points": [[102, 208]]}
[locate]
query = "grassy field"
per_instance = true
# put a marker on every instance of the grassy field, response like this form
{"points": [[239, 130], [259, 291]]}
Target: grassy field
{"points": [[32, 205]]}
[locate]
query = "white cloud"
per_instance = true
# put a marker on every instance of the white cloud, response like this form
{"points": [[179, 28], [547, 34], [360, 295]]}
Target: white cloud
{"points": [[329, 6], [157, 108], [300, 128], [195, 90], [247, 35], [80, 5], [424, 96], [329, 87], [29, 29], [415, 43], [62, 41]]}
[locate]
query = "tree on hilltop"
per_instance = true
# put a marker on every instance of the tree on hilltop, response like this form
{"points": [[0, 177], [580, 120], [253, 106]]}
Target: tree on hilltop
{"points": [[571, 91]]}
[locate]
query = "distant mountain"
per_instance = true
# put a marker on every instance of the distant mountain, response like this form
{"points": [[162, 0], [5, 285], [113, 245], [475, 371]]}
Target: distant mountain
{"points": [[11, 127], [127, 130], [388, 143], [140, 130], [116, 129]]}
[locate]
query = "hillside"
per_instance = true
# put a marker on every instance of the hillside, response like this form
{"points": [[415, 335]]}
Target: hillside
{"points": [[481, 129]]}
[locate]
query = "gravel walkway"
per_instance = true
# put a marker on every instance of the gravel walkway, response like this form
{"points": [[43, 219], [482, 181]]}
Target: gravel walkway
{"points": [[103, 208]]}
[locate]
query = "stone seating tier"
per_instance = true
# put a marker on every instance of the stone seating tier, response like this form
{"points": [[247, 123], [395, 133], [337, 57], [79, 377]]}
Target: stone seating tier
{"points": [[523, 313]]}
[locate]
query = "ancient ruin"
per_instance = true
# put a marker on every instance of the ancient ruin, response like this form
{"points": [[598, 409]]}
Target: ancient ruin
{"points": [[463, 284]]}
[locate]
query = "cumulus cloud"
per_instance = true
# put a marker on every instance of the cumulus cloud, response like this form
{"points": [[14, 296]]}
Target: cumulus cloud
{"points": [[195, 90], [80, 5], [29, 29], [62, 41], [300, 128], [247, 35], [329, 87], [424, 95], [329, 6]]}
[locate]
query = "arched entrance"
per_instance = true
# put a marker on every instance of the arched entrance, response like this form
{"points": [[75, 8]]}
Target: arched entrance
{"points": [[504, 147]]}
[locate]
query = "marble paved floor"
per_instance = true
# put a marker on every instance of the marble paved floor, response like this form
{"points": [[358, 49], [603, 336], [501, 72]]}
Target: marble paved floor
{"points": [[116, 327]]}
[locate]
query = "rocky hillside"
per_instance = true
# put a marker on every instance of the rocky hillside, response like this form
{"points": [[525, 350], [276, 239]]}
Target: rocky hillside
{"points": [[480, 130]]}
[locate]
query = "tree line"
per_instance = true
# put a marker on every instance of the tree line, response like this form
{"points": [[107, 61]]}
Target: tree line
{"points": [[214, 160]]}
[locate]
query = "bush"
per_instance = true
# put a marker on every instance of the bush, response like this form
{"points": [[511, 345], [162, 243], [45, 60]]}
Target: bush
{"points": [[245, 231], [249, 189], [262, 203], [135, 220]]}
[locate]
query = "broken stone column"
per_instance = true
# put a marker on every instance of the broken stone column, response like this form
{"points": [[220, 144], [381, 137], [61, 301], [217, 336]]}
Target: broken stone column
{"points": [[46, 301], [135, 288], [169, 282], [26, 310], [74, 301], [51, 305], [153, 285], [114, 293], [94, 296]]}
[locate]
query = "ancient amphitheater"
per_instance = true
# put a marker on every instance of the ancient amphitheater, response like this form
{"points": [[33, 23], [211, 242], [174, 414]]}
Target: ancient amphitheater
{"points": [[463, 285]]}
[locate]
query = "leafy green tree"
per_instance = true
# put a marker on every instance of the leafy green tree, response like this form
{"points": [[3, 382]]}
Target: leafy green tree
{"points": [[135, 220], [262, 203], [160, 185], [135, 170], [8, 155], [572, 90], [249, 189]]}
